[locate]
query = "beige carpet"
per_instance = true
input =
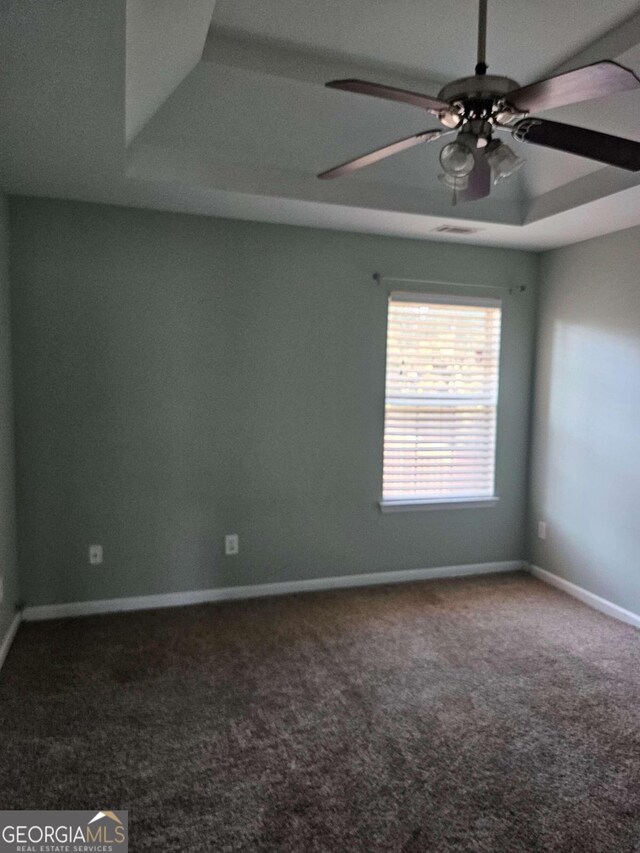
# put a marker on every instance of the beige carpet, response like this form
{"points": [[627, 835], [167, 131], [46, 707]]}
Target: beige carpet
{"points": [[484, 714]]}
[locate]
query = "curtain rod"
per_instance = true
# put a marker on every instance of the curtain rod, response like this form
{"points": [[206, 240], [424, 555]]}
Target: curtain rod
{"points": [[379, 278]]}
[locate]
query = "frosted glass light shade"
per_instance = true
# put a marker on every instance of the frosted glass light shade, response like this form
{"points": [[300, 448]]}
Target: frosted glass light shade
{"points": [[503, 160], [456, 159], [454, 183]]}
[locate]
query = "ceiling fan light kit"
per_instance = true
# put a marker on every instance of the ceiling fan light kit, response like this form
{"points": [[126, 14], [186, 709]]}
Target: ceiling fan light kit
{"points": [[503, 160], [456, 159], [454, 182], [457, 184], [478, 106]]}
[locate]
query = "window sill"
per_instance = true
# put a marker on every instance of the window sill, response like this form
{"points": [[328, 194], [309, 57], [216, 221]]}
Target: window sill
{"points": [[450, 503]]}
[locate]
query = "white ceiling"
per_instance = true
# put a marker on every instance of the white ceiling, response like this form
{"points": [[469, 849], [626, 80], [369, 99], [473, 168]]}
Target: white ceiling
{"points": [[138, 102], [432, 38]]}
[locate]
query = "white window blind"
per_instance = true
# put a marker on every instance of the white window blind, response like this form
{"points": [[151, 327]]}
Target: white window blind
{"points": [[441, 397]]}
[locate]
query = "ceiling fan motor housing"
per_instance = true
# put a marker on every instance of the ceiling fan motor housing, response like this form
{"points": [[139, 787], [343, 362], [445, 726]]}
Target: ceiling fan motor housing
{"points": [[478, 97]]}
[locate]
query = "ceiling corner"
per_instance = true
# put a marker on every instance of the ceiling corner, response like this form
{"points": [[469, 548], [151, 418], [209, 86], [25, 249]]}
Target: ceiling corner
{"points": [[164, 42]]}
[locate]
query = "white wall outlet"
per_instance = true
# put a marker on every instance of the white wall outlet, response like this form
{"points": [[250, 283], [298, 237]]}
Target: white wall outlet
{"points": [[95, 555], [1, 590], [231, 544], [542, 530]]}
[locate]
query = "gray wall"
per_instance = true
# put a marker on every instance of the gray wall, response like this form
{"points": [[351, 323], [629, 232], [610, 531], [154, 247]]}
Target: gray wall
{"points": [[585, 476], [8, 567], [179, 378]]}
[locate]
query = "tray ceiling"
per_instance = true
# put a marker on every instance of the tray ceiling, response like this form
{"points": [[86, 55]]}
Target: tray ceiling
{"points": [[220, 108]]}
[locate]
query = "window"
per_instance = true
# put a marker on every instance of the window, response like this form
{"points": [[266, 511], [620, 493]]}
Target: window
{"points": [[441, 400]]}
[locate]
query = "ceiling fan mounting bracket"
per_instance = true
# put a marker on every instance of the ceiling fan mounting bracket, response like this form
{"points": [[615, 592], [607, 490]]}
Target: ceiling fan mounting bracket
{"points": [[524, 127]]}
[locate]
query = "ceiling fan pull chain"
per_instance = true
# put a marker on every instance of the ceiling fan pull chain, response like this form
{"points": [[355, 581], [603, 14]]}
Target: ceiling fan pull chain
{"points": [[481, 67]]}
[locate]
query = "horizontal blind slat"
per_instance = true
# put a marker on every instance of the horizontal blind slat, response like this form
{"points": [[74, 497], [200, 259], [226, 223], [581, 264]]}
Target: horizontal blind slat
{"points": [[441, 398]]}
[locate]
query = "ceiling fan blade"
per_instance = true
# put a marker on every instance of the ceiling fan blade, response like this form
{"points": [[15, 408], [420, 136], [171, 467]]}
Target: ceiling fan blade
{"points": [[583, 84], [389, 93], [612, 150], [480, 178], [381, 153]]}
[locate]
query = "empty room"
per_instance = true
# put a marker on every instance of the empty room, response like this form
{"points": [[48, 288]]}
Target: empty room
{"points": [[319, 426]]}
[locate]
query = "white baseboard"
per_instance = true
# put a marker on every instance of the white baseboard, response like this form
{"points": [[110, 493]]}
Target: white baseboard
{"points": [[587, 597], [8, 638], [200, 596]]}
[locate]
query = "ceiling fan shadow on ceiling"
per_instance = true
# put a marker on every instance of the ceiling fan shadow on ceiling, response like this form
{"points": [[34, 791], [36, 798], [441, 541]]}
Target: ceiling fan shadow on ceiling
{"points": [[477, 107]]}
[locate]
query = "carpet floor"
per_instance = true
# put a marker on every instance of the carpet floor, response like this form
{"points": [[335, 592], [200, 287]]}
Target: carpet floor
{"points": [[479, 714]]}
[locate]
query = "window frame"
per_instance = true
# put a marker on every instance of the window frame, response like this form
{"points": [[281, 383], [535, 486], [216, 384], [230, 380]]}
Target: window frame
{"points": [[391, 505]]}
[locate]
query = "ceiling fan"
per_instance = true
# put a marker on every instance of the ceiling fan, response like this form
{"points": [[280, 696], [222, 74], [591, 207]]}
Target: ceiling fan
{"points": [[476, 107]]}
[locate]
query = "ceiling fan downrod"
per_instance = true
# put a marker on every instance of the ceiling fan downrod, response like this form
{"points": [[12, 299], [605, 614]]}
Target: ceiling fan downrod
{"points": [[481, 66]]}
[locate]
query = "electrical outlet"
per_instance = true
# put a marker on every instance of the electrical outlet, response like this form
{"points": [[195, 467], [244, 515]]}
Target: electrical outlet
{"points": [[95, 555], [231, 544], [542, 530]]}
